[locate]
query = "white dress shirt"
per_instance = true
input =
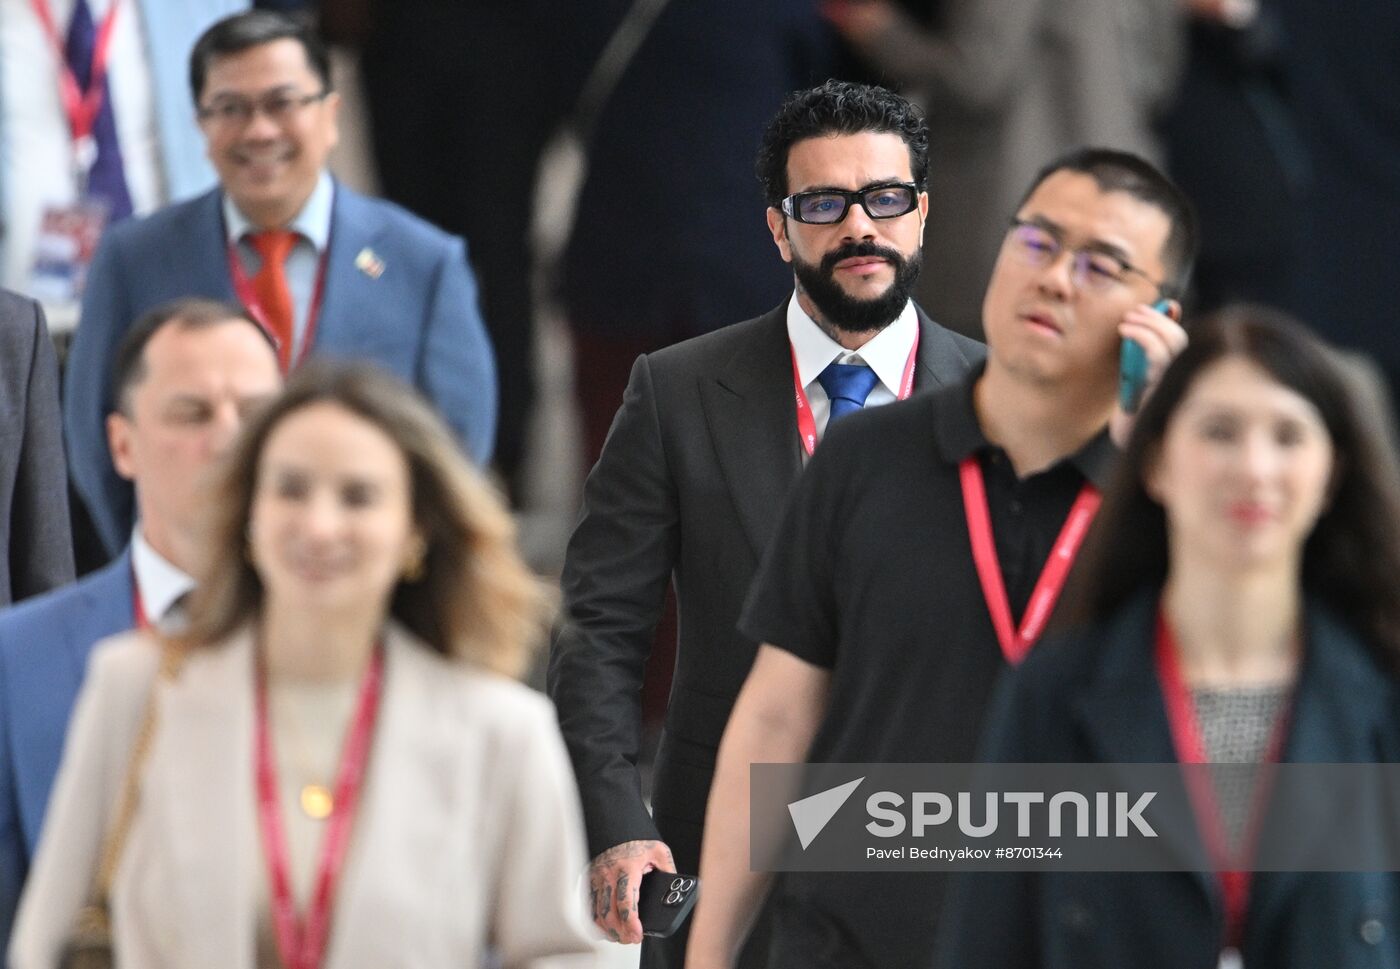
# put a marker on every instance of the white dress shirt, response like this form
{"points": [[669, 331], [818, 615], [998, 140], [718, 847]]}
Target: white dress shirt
{"points": [[159, 583], [36, 144], [887, 353]]}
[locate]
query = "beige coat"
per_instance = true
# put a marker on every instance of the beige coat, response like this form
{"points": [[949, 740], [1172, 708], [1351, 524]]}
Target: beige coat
{"points": [[468, 835]]}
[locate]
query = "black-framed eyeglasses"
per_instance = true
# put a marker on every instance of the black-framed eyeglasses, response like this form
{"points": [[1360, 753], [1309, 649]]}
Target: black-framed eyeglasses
{"points": [[829, 206], [234, 110], [1090, 268]]}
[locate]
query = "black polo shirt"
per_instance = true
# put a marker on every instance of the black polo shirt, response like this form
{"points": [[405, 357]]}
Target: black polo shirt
{"points": [[870, 575]]}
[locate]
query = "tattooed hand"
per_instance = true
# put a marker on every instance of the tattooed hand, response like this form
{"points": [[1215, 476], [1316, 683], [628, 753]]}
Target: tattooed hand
{"points": [[614, 881]]}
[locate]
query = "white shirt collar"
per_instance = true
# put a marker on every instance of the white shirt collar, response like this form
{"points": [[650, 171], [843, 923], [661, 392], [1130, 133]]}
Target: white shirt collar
{"points": [[886, 353], [159, 583], [312, 223]]}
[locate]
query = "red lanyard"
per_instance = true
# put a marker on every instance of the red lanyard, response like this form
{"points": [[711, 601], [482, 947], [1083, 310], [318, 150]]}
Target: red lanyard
{"points": [[302, 943], [1016, 643], [81, 107], [138, 608], [1190, 749], [243, 288], [807, 424]]}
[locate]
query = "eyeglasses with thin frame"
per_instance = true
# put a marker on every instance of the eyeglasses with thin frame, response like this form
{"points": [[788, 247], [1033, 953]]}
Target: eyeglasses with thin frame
{"points": [[1091, 268], [829, 206], [236, 111]]}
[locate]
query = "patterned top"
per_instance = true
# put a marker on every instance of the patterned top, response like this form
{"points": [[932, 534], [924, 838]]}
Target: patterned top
{"points": [[1237, 726]]}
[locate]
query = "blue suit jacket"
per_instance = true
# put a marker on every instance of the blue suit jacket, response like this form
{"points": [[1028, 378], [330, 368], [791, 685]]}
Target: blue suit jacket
{"points": [[419, 320], [44, 646]]}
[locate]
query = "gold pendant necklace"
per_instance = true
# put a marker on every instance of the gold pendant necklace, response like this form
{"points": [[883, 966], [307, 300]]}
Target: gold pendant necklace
{"points": [[317, 802]]}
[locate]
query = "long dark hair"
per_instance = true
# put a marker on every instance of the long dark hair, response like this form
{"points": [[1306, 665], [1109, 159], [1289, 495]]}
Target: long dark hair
{"points": [[1352, 558]]}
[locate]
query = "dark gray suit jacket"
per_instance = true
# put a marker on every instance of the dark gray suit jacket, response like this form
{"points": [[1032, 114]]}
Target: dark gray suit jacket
{"points": [[696, 467], [35, 539]]}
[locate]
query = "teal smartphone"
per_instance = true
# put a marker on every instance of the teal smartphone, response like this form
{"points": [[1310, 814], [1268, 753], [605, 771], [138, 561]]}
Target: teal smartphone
{"points": [[1132, 368]]}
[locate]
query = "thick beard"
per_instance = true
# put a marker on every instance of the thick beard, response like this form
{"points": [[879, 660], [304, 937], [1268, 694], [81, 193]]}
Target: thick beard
{"points": [[839, 308]]}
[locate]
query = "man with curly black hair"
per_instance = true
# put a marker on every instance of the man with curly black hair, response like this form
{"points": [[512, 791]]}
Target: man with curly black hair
{"points": [[704, 449]]}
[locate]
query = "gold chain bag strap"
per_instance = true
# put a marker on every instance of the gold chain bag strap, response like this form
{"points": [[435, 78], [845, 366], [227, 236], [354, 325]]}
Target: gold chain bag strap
{"points": [[90, 944]]}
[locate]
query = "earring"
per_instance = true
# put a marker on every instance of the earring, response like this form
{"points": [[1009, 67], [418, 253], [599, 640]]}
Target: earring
{"points": [[413, 569]]}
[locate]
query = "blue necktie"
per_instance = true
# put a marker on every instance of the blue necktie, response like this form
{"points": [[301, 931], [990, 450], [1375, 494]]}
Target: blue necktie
{"points": [[106, 180], [846, 385]]}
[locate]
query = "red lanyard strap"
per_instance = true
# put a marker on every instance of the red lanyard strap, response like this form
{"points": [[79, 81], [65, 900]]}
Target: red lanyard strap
{"points": [[1210, 820], [80, 107], [243, 289], [807, 424], [302, 943], [139, 619], [1016, 643]]}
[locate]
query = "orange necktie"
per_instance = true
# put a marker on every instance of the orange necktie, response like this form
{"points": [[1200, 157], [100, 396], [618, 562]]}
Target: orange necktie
{"points": [[270, 288]]}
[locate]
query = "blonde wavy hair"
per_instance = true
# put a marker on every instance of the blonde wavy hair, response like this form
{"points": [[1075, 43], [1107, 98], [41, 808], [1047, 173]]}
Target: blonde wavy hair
{"points": [[476, 601]]}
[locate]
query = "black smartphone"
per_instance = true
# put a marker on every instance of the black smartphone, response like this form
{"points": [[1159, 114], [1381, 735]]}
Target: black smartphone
{"points": [[1132, 367], [664, 901]]}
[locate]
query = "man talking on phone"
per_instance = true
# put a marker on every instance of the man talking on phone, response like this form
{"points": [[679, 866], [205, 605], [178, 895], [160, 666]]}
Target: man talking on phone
{"points": [[916, 557]]}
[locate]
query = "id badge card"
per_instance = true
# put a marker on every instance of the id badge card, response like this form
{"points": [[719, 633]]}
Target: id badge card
{"points": [[1230, 958], [63, 250]]}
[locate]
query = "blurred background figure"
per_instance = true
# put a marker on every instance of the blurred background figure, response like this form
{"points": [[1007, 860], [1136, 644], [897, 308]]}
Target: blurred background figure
{"points": [[145, 150], [360, 616], [462, 95], [1342, 71], [188, 374], [326, 270], [1007, 84], [1234, 146], [1236, 604], [36, 553]]}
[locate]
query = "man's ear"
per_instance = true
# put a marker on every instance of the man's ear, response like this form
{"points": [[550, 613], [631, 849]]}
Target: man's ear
{"points": [[777, 225], [119, 442]]}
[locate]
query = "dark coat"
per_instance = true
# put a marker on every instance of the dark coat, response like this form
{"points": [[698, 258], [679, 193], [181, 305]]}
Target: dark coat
{"points": [[1094, 697], [36, 545], [688, 488]]}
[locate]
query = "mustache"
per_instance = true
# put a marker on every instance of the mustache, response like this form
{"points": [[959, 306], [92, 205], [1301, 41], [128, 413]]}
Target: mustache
{"points": [[852, 250]]}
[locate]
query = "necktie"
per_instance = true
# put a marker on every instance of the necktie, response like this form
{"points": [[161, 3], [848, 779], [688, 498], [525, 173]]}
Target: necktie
{"points": [[106, 179], [270, 288], [846, 385]]}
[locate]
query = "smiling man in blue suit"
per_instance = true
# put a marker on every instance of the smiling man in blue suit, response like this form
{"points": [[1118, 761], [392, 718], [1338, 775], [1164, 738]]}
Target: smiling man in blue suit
{"points": [[325, 270], [188, 374]]}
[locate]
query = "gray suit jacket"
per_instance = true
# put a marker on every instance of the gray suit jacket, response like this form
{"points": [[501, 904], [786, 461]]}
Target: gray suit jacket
{"points": [[36, 545]]}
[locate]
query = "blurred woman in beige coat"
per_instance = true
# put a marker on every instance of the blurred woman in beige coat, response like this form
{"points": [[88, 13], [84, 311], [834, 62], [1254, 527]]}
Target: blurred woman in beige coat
{"points": [[343, 772]]}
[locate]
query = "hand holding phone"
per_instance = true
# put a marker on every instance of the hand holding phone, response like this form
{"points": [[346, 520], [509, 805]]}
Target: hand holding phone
{"points": [[664, 901], [1132, 367]]}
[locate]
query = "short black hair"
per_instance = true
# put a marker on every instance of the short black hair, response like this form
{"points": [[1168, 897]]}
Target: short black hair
{"points": [[191, 312], [237, 33], [1121, 171], [839, 108]]}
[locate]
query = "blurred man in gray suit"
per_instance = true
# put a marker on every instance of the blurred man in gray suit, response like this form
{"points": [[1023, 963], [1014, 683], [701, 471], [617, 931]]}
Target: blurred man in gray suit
{"points": [[36, 546]]}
